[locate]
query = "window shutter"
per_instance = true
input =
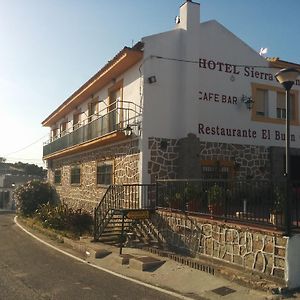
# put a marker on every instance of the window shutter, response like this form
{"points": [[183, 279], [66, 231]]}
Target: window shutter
{"points": [[261, 97], [281, 100]]}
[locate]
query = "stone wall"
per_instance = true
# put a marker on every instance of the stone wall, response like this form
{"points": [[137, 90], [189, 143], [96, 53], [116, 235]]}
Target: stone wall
{"points": [[252, 249], [249, 161], [87, 194], [164, 155], [171, 158]]}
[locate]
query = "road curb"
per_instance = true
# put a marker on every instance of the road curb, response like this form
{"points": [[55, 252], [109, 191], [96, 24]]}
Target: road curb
{"points": [[171, 293]]}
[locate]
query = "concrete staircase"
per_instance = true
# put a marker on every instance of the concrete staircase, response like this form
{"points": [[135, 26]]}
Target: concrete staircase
{"points": [[137, 233]]}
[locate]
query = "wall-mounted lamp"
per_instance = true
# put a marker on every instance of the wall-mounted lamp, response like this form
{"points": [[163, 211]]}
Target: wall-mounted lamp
{"points": [[128, 130], [152, 79], [247, 101]]}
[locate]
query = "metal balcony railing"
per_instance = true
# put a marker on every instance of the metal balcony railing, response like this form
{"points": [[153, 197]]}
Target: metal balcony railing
{"points": [[111, 119]]}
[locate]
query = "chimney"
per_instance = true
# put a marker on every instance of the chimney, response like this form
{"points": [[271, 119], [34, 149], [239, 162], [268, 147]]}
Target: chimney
{"points": [[189, 17]]}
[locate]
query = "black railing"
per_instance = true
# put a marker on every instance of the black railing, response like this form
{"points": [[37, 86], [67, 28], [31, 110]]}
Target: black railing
{"points": [[256, 202], [96, 128], [113, 118], [247, 202], [120, 197]]}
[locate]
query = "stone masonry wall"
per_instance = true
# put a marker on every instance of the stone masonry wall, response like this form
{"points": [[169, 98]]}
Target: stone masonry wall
{"points": [[87, 194], [249, 161], [164, 156], [256, 250], [175, 159]]}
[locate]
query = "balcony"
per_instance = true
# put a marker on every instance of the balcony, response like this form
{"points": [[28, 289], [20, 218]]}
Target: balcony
{"points": [[111, 119]]}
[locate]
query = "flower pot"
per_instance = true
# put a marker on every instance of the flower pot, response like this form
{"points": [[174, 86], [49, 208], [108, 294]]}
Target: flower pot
{"points": [[215, 209], [277, 218], [193, 205]]}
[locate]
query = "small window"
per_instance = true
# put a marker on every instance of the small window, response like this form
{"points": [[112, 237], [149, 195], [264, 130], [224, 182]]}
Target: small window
{"points": [[215, 169], [105, 173], [75, 175], [57, 176], [261, 102]]}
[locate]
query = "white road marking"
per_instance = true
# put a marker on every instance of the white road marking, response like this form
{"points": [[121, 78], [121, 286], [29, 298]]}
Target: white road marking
{"points": [[103, 269]]}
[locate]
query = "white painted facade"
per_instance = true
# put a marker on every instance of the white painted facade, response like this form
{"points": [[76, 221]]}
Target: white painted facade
{"points": [[196, 92], [200, 71], [130, 93]]}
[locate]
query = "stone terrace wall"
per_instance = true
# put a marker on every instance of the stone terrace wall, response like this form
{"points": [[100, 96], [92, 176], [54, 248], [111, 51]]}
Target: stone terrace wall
{"points": [[87, 194], [175, 159], [256, 250]]}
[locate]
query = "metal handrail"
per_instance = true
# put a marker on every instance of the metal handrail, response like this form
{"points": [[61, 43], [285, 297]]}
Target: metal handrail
{"points": [[120, 197], [131, 107], [109, 123]]}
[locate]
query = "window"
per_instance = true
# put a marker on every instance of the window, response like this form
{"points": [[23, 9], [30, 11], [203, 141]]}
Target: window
{"points": [[75, 175], [92, 110], [281, 107], [105, 173], [76, 121], [54, 134], [269, 104], [63, 128], [57, 176], [261, 102], [115, 100], [217, 169]]}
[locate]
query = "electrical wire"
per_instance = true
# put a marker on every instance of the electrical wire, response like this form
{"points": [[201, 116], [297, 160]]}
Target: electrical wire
{"points": [[197, 62], [24, 148]]}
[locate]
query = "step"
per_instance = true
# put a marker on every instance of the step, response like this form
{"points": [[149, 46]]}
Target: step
{"points": [[123, 259], [97, 253], [145, 263]]}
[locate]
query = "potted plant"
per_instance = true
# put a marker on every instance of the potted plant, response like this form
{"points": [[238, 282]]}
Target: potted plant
{"points": [[215, 197], [192, 197], [277, 216], [176, 201]]}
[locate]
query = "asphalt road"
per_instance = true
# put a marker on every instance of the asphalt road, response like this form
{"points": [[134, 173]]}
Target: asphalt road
{"points": [[31, 270]]}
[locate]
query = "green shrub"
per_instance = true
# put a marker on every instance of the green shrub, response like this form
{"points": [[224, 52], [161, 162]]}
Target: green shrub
{"points": [[53, 216], [63, 218], [80, 222], [32, 195]]}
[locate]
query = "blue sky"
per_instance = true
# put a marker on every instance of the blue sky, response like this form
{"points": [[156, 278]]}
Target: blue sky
{"points": [[50, 47]]}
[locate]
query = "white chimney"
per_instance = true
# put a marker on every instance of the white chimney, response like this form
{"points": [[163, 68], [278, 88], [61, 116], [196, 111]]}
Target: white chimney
{"points": [[189, 17]]}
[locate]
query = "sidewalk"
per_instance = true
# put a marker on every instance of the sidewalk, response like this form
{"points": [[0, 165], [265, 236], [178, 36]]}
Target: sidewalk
{"points": [[160, 271], [173, 276]]}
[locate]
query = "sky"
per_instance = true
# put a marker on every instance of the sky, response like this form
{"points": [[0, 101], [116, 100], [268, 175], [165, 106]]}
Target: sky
{"points": [[49, 48]]}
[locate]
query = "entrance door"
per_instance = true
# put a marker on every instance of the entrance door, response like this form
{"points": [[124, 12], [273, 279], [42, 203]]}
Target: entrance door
{"points": [[114, 103]]}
